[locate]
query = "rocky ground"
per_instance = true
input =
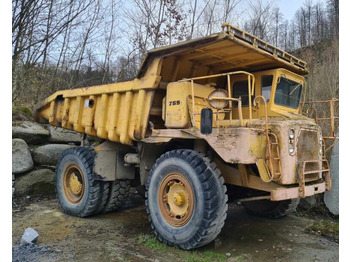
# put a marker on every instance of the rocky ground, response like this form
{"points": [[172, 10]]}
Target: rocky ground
{"points": [[127, 236]]}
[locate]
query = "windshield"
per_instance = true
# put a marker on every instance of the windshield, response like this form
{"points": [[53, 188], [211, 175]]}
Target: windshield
{"points": [[288, 93]]}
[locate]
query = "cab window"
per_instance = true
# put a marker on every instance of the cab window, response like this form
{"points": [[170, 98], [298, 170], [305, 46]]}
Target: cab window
{"points": [[240, 89], [266, 86]]}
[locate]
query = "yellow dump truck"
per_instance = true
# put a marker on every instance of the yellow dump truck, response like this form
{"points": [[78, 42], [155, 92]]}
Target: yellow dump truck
{"points": [[204, 119]]}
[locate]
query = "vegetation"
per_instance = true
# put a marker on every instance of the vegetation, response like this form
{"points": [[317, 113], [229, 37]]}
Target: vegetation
{"points": [[20, 113], [63, 44], [326, 228], [151, 242], [23, 109]]}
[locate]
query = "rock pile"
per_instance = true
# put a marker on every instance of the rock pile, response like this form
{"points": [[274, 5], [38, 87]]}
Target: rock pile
{"points": [[35, 151]]}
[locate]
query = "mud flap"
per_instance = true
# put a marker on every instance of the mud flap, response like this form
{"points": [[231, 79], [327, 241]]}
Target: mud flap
{"points": [[263, 170]]}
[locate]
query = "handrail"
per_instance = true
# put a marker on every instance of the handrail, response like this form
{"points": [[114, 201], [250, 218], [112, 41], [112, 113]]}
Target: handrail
{"points": [[332, 117], [251, 84], [216, 75], [266, 114], [232, 99], [308, 111], [269, 159]]}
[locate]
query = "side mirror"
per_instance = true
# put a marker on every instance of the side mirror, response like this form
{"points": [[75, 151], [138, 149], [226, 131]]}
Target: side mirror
{"points": [[206, 121]]}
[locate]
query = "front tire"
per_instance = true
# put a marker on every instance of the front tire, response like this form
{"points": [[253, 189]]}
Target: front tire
{"points": [[186, 199], [77, 192]]}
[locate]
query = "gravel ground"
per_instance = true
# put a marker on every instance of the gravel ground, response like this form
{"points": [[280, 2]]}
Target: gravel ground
{"points": [[127, 236]]}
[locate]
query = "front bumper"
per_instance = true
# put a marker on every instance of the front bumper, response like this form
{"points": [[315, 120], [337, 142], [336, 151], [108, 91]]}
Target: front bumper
{"points": [[279, 194], [304, 190]]}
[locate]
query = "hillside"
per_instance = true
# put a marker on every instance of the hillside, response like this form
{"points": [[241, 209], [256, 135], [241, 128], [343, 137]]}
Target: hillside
{"points": [[323, 79], [323, 65]]}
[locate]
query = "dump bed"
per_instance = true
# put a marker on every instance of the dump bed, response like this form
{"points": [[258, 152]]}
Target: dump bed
{"points": [[120, 112]]}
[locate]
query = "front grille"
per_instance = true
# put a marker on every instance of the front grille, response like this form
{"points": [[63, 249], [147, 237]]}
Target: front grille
{"points": [[307, 146], [307, 149]]}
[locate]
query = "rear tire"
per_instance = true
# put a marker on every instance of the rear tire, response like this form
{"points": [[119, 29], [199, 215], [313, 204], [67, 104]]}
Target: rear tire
{"points": [[271, 209], [186, 199], [77, 192], [118, 193]]}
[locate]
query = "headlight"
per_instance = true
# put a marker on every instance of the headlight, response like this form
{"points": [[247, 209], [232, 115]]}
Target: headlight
{"points": [[320, 146], [291, 133], [291, 149], [218, 103]]}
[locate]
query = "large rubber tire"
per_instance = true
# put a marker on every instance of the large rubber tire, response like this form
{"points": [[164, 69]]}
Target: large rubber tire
{"points": [[209, 199], [94, 194], [118, 193], [271, 209]]}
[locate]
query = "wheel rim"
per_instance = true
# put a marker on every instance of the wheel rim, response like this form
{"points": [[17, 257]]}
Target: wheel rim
{"points": [[73, 183], [176, 199]]}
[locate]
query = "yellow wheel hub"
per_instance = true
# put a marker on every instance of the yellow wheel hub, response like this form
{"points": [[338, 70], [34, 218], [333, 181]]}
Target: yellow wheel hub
{"points": [[176, 199], [179, 196], [73, 184]]}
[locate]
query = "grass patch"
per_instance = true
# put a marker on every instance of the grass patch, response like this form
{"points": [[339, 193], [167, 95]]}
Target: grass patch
{"points": [[151, 242], [207, 256], [327, 228], [22, 109]]}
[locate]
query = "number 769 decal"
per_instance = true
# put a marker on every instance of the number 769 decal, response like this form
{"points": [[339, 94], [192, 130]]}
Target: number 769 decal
{"points": [[174, 103]]}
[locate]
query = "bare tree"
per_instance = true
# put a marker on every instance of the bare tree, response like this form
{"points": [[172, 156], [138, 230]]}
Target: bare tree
{"points": [[229, 6], [259, 18], [333, 14], [209, 15], [277, 17]]}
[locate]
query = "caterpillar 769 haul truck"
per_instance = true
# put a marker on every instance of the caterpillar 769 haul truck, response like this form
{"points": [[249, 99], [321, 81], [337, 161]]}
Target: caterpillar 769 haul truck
{"points": [[205, 121]]}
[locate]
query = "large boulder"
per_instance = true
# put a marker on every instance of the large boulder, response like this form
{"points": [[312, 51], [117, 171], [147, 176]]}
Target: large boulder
{"points": [[31, 132], [21, 158], [48, 155], [61, 135], [39, 181], [331, 198]]}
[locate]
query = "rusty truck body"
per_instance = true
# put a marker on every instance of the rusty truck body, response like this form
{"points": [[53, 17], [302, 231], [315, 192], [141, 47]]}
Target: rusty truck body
{"points": [[202, 120]]}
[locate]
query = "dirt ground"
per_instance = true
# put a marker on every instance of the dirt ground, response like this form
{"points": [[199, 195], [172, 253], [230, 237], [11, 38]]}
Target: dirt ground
{"points": [[127, 236]]}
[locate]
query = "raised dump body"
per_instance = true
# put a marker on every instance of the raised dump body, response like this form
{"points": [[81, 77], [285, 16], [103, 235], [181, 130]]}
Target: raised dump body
{"points": [[120, 112], [201, 119]]}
